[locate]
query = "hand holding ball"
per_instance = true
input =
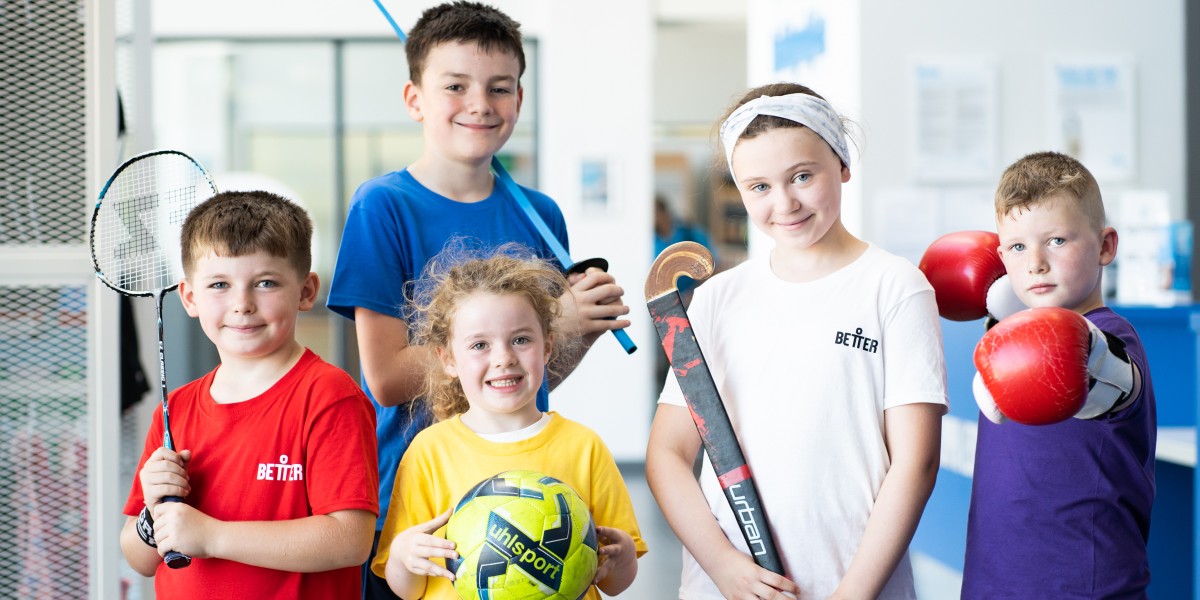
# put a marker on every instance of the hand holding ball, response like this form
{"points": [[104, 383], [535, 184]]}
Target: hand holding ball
{"points": [[522, 535]]}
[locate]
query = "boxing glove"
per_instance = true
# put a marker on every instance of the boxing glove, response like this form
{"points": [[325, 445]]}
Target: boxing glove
{"points": [[968, 277], [1045, 365], [985, 401]]}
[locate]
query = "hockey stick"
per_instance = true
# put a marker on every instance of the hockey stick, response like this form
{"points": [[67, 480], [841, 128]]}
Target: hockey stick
{"points": [[700, 393]]}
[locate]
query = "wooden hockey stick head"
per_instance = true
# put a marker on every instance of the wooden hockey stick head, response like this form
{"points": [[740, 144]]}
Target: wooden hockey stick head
{"points": [[678, 259]]}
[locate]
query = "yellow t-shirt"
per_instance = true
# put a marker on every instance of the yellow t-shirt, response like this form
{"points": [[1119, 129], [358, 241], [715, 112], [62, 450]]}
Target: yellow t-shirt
{"points": [[447, 459]]}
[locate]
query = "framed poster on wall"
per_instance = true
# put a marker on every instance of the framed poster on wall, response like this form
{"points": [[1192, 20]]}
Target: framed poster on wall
{"points": [[1092, 114], [953, 119]]}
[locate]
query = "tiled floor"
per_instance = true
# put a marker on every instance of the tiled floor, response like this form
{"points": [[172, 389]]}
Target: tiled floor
{"points": [[658, 569]]}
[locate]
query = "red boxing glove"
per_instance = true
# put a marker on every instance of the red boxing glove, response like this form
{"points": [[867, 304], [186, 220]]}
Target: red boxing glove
{"points": [[962, 268], [1035, 364]]}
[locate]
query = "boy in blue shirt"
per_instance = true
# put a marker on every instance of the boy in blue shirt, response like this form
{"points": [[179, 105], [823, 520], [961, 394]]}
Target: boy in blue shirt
{"points": [[465, 63]]}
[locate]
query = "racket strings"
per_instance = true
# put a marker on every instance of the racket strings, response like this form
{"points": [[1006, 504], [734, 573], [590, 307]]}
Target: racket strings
{"points": [[138, 222]]}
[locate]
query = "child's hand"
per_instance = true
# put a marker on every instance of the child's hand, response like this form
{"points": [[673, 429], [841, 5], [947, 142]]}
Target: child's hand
{"points": [[414, 546], [738, 577], [593, 303], [616, 551], [165, 474], [182, 528]]}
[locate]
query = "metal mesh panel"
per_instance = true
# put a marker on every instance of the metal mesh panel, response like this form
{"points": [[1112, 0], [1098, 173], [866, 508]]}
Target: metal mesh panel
{"points": [[43, 442], [42, 163]]}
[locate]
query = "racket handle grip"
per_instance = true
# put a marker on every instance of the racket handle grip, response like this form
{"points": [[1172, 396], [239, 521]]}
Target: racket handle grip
{"points": [[602, 264], [176, 560], [626, 343]]}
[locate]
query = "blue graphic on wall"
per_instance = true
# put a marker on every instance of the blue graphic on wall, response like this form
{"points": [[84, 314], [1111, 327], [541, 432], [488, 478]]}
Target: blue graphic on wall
{"points": [[794, 48]]}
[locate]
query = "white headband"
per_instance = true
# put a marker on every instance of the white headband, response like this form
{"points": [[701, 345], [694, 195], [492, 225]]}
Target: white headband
{"points": [[809, 111]]}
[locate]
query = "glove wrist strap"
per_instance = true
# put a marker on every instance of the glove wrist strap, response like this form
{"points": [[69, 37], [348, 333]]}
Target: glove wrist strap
{"points": [[1111, 374], [145, 527]]}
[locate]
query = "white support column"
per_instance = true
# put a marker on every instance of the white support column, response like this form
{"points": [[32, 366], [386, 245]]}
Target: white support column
{"points": [[595, 102], [104, 499]]}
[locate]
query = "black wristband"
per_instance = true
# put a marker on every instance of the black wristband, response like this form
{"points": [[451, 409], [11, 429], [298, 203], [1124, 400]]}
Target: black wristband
{"points": [[145, 527]]}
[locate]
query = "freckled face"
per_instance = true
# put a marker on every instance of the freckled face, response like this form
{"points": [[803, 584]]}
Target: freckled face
{"points": [[1054, 255]]}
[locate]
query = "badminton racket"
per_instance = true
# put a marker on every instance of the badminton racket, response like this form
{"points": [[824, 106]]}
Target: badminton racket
{"points": [[135, 244]]}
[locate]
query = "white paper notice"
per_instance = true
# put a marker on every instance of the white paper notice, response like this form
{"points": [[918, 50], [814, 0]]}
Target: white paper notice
{"points": [[1092, 115], [954, 123]]}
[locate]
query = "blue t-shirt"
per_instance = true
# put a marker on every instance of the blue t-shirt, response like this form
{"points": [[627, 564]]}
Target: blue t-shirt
{"points": [[1063, 510], [394, 227]]}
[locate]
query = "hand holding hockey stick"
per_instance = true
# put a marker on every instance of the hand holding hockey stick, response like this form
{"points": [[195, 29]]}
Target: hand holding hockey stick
{"points": [[700, 393]]}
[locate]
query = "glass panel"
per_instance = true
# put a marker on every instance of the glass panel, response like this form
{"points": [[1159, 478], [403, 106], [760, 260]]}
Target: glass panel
{"points": [[379, 135], [260, 116], [43, 442]]}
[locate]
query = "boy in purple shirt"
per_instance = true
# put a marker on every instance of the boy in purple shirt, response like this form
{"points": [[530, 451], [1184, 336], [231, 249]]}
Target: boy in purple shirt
{"points": [[1063, 510]]}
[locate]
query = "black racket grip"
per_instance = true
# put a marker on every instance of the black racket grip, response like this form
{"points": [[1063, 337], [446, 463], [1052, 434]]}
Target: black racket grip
{"points": [[602, 264], [176, 560]]}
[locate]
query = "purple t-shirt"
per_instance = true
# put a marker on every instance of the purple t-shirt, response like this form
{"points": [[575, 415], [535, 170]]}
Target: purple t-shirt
{"points": [[1063, 510]]}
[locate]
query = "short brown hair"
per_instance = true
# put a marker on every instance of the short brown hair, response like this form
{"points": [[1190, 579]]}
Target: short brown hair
{"points": [[462, 22], [455, 274], [241, 223], [1044, 176]]}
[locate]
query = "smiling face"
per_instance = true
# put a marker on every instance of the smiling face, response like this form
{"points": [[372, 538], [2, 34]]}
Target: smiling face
{"points": [[248, 305], [1054, 255], [791, 183], [467, 100], [498, 352]]}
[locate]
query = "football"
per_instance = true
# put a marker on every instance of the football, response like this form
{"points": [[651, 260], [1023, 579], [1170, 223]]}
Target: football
{"points": [[522, 535]]}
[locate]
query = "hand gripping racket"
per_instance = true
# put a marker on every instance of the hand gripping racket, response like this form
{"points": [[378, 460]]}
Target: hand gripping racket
{"points": [[700, 394], [560, 253], [135, 244]]}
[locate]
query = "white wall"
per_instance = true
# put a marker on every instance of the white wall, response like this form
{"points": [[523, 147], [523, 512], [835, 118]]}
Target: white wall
{"points": [[1022, 36], [729, 12], [596, 105], [699, 68], [595, 85], [291, 19]]}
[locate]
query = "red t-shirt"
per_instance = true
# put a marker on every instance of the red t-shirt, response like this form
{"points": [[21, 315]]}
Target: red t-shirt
{"points": [[304, 447]]}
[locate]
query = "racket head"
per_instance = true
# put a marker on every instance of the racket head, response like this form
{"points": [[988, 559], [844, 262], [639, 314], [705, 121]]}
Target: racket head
{"points": [[134, 235]]}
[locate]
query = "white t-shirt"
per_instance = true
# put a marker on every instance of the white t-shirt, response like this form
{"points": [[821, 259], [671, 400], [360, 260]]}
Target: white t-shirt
{"points": [[805, 371]]}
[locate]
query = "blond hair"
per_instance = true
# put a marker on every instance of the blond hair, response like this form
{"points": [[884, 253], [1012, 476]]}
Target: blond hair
{"points": [[454, 275], [1042, 176]]}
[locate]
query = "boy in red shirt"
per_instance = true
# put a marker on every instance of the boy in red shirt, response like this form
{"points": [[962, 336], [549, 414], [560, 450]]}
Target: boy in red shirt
{"points": [[277, 464]]}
